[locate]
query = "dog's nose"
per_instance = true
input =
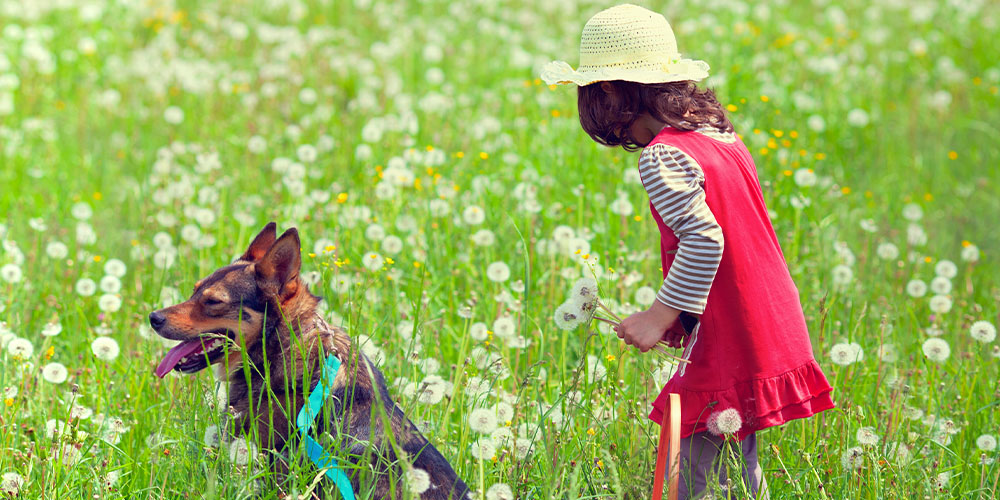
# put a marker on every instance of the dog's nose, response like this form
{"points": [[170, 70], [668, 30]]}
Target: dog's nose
{"points": [[157, 319]]}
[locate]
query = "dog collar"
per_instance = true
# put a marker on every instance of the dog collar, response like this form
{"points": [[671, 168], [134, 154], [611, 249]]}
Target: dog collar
{"points": [[307, 415]]}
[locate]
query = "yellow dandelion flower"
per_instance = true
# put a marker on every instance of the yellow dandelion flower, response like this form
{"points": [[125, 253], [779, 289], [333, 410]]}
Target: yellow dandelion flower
{"points": [[416, 264], [98, 196], [591, 432], [952, 155], [764, 98], [786, 173], [764, 151], [50, 352], [793, 134], [731, 107], [483, 155], [966, 243], [845, 190], [459, 155], [820, 156], [637, 218], [342, 198], [778, 133], [928, 197], [9, 402], [927, 260], [312, 255], [555, 113], [610, 357], [97, 258]]}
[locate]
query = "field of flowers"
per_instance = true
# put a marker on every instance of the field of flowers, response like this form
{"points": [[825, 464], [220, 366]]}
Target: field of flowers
{"points": [[447, 201]]}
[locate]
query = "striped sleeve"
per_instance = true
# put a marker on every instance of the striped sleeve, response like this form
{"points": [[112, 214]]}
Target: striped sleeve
{"points": [[675, 184]]}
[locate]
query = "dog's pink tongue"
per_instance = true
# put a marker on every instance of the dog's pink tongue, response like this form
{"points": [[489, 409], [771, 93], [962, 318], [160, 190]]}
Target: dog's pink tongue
{"points": [[175, 355]]}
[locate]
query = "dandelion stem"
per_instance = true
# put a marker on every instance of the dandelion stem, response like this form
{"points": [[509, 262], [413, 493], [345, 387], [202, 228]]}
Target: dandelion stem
{"points": [[609, 311], [608, 321], [662, 350]]}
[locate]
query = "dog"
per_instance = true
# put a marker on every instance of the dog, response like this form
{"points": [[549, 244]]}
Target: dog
{"points": [[257, 317]]}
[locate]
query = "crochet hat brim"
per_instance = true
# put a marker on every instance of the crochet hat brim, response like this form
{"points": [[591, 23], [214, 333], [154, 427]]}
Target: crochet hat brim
{"points": [[561, 73]]}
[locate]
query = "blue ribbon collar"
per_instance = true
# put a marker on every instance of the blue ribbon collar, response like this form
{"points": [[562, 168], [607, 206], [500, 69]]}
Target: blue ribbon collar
{"points": [[307, 415]]}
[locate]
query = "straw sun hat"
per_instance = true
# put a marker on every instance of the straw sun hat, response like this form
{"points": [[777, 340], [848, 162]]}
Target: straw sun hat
{"points": [[630, 43]]}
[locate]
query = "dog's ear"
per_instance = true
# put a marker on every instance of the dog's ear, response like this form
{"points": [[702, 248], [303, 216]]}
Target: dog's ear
{"points": [[261, 243], [278, 269]]}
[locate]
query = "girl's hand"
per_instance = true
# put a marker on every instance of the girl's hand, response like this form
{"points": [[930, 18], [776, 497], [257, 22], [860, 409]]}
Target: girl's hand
{"points": [[645, 328]]}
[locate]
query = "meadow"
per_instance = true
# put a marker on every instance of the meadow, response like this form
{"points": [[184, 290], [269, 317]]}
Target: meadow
{"points": [[448, 200]]}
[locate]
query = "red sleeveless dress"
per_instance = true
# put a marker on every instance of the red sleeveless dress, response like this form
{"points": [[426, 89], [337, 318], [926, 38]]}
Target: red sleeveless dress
{"points": [[751, 350]]}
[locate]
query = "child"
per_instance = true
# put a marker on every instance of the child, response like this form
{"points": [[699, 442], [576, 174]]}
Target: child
{"points": [[750, 351]]}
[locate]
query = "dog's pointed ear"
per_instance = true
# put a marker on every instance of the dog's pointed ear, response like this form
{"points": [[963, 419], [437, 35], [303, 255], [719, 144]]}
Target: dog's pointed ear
{"points": [[277, 270], [261, 243]]}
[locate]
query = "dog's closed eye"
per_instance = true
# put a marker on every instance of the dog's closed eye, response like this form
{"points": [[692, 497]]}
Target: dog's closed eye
{"points": [[212, 301]]}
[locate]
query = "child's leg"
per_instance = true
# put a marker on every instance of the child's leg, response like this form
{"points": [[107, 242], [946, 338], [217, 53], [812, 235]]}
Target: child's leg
{"points": [[699, 460]]}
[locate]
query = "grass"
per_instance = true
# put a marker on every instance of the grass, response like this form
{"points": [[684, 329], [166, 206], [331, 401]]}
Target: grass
{"points": [[403, 116]]}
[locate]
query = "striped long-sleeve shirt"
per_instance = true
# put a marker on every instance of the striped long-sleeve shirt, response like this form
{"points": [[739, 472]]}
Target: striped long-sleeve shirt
{"points": [[675, 184]]}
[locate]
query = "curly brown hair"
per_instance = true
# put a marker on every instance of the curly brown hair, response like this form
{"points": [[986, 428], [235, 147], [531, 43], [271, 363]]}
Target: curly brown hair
{"points": [[608, 116]]}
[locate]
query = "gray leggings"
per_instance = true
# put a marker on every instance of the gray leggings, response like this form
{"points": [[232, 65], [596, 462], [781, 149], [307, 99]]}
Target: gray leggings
{"points": [[700, 460]]}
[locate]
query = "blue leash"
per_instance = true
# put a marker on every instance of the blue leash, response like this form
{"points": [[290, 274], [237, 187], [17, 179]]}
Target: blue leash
{"points": [[304, 421]]}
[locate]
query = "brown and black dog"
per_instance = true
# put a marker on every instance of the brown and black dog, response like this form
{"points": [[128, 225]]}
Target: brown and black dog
{"points": [[258, 317]]}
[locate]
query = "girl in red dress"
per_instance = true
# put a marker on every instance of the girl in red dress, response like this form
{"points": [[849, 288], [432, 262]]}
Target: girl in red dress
{"points": [[751, 360]]}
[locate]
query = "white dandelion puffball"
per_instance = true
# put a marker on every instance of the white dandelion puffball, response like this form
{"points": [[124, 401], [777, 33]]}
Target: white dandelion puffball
{"points": [[19, 348], [728, 421], [621, 206], [478, 331], [940, 304], [500, 491], [585, 289], [51, 329], [983, 331], [372, 261], [11, 483], [241, 451], [916, 288], [173, 115], [569, 316], [483, 449], [498, 272], [853, 458], [887, 251], [212, 437], [912, 212], [946, 268], [970, 253], [805, 177], [504, 327], [105, 348], [109, 303], [504, 412], [842, 275], [11, 273], [940, 285], [110, 284], [418, 480], [857, 117], [936, 349], [55, 373], [888, 353], [645, 296], [844, 354], [57, 250], [867, 437], [473, 215], [522, 448], [86, 287], [986, 442], [483, 420]]}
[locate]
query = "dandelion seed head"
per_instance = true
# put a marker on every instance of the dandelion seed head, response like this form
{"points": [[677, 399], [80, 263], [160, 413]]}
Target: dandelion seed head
{"points": [[866, 436], [936, 349], [983, 331], [483, 420], [853, 458], [916, 288], [55, 373], [418, 480], [500, 491], [105, 348]]}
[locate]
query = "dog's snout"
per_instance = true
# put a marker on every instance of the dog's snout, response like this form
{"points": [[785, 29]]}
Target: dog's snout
{"points": [[157, 319]]}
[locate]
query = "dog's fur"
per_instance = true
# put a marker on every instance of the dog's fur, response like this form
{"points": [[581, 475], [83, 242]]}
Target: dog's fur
{"points": [[261, 304]]}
